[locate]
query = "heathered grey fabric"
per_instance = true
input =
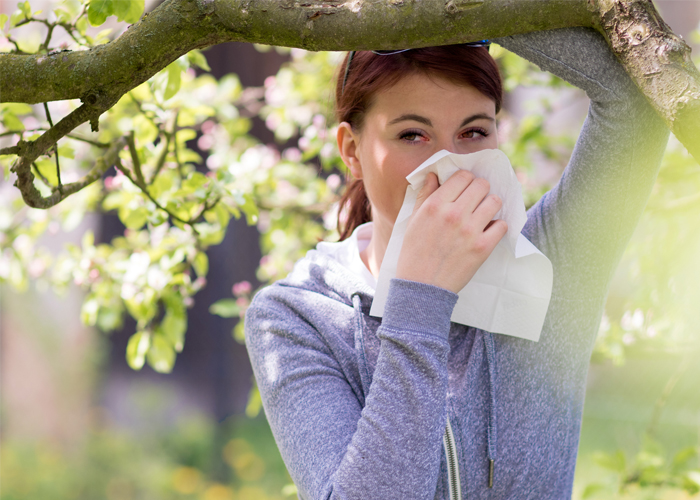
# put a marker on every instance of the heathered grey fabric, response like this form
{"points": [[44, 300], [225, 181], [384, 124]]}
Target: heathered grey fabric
{"points": [[358, 405]]}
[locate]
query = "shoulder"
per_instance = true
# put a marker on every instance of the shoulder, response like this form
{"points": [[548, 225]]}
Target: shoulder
{"points": [[314, 300]]}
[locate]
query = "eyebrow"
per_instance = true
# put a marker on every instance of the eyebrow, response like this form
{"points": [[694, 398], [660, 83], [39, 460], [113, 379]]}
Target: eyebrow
{"points": [[426, 121]]}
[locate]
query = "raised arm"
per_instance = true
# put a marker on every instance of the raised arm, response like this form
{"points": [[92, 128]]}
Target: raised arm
{"points": [[584, 223], [301, 347]]}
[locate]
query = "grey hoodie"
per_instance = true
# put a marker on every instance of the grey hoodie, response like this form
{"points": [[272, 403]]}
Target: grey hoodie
{"points": [[359, 405]]}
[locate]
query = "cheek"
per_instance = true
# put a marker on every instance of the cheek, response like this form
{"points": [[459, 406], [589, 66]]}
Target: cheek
{"points": [[387, 189]]}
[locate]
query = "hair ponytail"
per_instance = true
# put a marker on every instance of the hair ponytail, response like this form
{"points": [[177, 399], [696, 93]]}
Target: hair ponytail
{"points": [[354, 208]]}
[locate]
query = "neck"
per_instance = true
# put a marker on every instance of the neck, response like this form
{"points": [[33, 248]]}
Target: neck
{"points": [[373, 254]]}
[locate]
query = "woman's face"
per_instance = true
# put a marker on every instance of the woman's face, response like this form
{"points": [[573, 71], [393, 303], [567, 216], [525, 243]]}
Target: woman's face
{"points": [[405, 125]]}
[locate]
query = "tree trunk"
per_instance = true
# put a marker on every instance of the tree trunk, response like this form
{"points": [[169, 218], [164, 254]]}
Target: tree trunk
{"points": [[657, 60]]}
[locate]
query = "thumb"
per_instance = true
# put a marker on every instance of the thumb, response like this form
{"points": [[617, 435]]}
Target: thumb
{"points": [[430, 186]]}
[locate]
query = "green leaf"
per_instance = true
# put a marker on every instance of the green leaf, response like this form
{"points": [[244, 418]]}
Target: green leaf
{"points": [[694, 477], [89, 311], [161, 355], [196, 58], [250, 210], [201, 264], [3, 20], [88, 240], [254, 405], [185, 134], [144, 129], [62, 15], [99, 11], [137, 348], [47, 167], [133, 219], [174, 324], [592, 490], [26, 8], [144, 308], [222, 215], [174, 80], [66, 151], [194, 181], [16, 17], [81, 25], [226, 308], [109, 319], [11, 122], [684, 456], [115, 199], [162, 184], [129, 10], [612, 461]]}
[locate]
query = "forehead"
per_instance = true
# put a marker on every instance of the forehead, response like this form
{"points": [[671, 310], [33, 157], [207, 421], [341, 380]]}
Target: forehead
{"points": [[430, 96]]}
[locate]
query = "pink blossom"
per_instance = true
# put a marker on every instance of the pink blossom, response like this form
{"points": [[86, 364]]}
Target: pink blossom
{"points": [[242, 288]]}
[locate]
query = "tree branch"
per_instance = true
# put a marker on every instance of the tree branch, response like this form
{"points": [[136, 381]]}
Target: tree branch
{"points": [[30, 151], [101, 166], [658, 61], [178, 26], [10, 150]]}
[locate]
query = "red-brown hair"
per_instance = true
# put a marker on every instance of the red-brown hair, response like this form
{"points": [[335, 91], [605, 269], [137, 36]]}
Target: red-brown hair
{"points": [[370, 73]]}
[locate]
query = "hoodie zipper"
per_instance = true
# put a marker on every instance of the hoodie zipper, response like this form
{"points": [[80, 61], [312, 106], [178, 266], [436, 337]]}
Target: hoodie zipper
{"points": [[452, 463]]}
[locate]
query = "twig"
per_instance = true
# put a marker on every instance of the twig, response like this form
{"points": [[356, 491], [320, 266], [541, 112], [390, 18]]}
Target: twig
{"points": [[135, 160], [42, 176], [668, 389], [70, 29], [50, 27], [98, 144], [11, 132], [89, 141], [206, 207], [145, 191], [10, 150], [17, 49], [163, 156], [33, 149], [58, 167], [101, 166]]}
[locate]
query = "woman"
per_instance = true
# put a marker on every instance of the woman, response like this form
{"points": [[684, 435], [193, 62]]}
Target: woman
{"points": [[410, 405]]}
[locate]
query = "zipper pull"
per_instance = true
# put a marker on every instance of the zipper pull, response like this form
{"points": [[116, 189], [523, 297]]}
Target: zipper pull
{"points": [[491, 466]]}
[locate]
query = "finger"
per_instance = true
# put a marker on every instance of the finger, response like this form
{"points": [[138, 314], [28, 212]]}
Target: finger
{"points": [[455, 186], [474, 195], [430, 186], [487, 210], [494, 232]]}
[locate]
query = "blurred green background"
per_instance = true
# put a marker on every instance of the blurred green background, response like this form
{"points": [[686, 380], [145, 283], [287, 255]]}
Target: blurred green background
{"points": [[123, 372]]}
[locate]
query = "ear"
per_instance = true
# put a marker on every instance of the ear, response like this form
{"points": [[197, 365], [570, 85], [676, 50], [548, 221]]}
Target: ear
{"points": [[348, 142]]}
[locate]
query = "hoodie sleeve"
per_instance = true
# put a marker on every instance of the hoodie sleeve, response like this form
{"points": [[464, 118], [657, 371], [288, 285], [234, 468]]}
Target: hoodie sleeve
{"points": [[333, 447], [585, 221]]}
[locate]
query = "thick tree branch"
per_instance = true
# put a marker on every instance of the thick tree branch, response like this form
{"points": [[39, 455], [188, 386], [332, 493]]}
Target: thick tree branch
{"points": [[178, 26], [658, 61]]}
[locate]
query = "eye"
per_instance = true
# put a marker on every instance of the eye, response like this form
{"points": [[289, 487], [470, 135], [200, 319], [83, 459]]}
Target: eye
{"points": [[412, 136], [475, 133]]}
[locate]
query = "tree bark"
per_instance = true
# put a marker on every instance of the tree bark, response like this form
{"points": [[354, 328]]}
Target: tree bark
{"points": [[657, 60]]}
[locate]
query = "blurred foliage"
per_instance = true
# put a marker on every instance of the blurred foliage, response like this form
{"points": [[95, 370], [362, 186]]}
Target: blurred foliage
{"points": [[195, 459], [192, 165]]}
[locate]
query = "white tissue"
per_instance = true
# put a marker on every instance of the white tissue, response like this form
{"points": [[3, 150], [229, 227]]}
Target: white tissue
{"points": [[510, 292]]}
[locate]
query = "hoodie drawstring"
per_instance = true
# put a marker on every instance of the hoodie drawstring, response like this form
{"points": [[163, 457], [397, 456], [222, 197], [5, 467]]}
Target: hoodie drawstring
{"points": [[490, 346], [360, 343]]}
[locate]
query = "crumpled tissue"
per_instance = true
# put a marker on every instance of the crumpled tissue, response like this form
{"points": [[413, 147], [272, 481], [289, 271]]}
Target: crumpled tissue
{"points": [[510, 292]]}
